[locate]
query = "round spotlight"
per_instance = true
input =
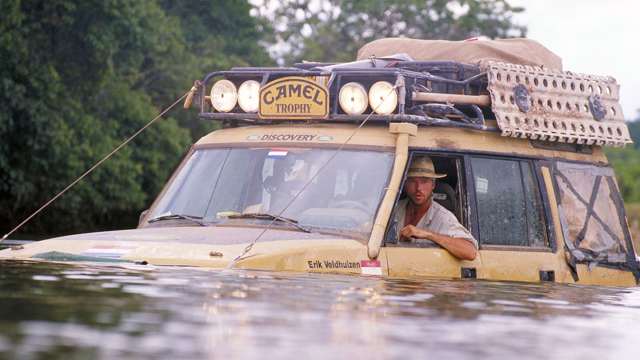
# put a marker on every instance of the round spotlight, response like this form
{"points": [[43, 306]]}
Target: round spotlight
{"points": [[249, 96], [383, 98], [353, 98], [224, 96]]}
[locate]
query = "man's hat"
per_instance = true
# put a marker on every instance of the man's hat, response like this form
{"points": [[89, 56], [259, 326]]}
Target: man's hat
{"points": [[422, 166]]}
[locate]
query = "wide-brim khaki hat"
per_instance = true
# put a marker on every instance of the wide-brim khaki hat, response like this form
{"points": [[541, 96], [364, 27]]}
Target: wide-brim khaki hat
{"points": [[422, 166]]}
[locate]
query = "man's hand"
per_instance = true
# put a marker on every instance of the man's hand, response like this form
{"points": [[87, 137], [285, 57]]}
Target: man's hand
{"points": [[458, 247], [411, 231]]}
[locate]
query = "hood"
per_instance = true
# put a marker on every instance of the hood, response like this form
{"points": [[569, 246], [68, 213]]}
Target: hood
{"points": [[213, 235], [212, 246]]}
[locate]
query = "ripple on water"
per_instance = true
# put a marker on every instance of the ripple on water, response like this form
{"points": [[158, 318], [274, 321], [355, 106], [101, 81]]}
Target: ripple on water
{"points": [[552, 302], [45, 278], [476, 305], [4, 344], [150, 291], [110, 285], [80, 277], [409, 298]]}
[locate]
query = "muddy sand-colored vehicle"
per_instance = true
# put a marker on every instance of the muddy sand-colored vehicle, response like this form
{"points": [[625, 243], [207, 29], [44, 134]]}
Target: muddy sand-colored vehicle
{"points": [[310, 163]]}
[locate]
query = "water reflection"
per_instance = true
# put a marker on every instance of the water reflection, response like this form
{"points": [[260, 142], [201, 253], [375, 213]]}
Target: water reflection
{"points": [[91, 311]]}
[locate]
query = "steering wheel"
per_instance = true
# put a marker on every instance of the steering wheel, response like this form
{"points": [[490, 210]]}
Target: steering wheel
{"points": [[351, 204]]}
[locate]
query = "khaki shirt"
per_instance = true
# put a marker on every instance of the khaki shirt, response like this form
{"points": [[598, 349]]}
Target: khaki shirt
{"points": [[438, 220]]}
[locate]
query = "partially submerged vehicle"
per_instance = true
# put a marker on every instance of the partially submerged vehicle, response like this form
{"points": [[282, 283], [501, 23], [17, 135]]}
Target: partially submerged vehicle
{"points": [[309, 165]]}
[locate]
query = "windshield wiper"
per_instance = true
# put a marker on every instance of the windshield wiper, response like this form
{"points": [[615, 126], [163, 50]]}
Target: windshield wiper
{"points": [[267, 216], [193, 219]]}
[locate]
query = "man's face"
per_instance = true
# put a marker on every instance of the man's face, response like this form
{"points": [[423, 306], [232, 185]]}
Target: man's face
{"points": [[419, 189]]}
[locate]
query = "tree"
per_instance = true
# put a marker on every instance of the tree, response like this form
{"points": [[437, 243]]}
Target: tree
{"points": [[217, 35], [79, 77], [626, 163], [333, 30], [634, 130]]}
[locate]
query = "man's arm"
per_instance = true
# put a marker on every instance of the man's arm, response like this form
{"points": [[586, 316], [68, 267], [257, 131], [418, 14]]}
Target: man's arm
{"points": [[461, 248]]}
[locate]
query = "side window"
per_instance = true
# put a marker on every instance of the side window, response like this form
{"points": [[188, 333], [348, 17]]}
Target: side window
{"points": [[592, 214], [448, 192], [508, 203]]}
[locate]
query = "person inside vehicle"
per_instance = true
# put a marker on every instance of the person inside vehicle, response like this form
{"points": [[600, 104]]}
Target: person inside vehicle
{"points": [[419, 217]]}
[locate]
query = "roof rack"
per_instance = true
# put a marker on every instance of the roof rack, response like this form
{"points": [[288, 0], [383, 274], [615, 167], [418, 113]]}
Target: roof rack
{"points": [[526, 101], [452, 80]]}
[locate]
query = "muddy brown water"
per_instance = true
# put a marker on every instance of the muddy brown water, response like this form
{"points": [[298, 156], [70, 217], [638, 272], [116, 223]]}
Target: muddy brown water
{"points": [[93, 311]]}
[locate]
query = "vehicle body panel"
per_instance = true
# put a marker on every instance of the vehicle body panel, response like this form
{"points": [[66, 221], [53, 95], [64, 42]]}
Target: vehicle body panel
{"points": [[214, 247], [378, 136]]}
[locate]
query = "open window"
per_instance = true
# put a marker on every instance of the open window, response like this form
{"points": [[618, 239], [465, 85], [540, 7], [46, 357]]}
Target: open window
{"points": [[449, 192], [508, 202]]}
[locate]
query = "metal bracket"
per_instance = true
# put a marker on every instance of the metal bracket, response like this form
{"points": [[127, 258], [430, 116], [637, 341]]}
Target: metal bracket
{"points": [[597, 109], [468, 273], [547, 275], [522, 98]]}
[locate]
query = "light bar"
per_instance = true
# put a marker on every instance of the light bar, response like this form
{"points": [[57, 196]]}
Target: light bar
{"points": [[353, 98], [224, 96], [383, 98], [249, 96]]}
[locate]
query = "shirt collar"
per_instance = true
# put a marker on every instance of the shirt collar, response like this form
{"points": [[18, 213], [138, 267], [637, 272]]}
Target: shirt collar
{"points": [[428, 217]]}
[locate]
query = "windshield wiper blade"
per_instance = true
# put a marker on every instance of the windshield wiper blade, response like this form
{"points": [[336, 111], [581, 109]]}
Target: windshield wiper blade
{"points": [[193, 219], [267, 216]]}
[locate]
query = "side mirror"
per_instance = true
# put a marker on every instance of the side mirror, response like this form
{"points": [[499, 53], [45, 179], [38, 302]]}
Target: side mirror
{"points": [[142, 216]]}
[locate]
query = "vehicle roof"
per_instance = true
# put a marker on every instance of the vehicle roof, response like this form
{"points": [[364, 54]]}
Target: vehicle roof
{"points": [[514, 50]]}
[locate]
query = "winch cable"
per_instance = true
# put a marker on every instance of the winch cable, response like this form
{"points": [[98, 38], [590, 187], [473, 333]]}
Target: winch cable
{"points": [[335, 153], [191, 91]]}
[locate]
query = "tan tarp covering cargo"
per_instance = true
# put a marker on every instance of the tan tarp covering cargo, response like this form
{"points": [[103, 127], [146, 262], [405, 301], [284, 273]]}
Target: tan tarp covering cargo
{"points": [[515, 51]]}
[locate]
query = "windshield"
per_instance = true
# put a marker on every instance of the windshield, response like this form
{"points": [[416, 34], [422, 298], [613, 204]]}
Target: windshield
{"points": [[217, 185]]}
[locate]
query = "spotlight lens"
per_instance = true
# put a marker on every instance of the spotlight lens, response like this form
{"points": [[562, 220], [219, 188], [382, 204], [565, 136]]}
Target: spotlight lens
{"points": [[248, 96], [224, 96], [383, 98], [353, 98]]}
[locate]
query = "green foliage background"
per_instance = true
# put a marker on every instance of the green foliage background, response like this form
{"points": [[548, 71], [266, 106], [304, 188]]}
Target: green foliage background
{"points": [[626, 162], [333, 31], [78, 77]]}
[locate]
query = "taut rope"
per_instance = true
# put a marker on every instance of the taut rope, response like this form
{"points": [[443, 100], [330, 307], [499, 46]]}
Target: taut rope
{"points": [[98, 163]]}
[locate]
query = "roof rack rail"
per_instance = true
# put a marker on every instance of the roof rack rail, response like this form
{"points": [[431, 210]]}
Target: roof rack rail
{"points": [[417, 79], [526, 101]]}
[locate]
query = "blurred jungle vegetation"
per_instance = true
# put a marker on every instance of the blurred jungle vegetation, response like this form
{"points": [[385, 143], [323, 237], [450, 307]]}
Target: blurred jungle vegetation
{"points": [[78, 77]]}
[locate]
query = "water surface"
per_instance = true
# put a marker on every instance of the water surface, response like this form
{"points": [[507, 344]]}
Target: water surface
{"points": [[98, 311]]}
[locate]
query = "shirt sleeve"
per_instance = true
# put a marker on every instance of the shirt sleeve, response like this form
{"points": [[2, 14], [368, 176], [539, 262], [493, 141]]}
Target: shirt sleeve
{"points": [[459, 231], [448, 225]]}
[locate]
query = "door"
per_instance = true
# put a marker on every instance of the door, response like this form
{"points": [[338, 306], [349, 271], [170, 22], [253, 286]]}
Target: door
{"points": [[510, 219]]}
